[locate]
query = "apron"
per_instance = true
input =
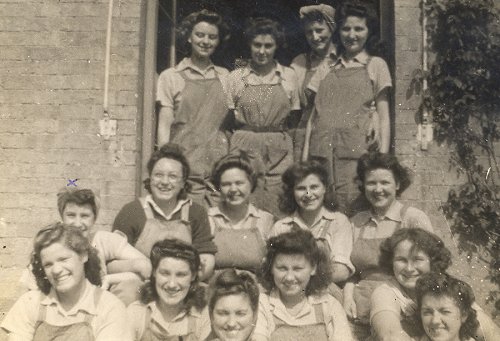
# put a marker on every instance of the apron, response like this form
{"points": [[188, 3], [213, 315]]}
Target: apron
{"points": [[80, 331], [198, 128], [316, 332], [239, 248], [156, 230], [261, 111], [339, 130], [365, 256], [151, 335]]}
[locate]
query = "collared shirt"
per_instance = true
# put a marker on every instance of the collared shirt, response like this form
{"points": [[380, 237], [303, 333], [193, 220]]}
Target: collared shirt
{"points": [[377, 69], [283, 74], [338, 233], [337, 327], [148, 200], [109, 316], [384, 227], [171, 83], [300, 63], [265, 220], [390, 296], [178, 326]]}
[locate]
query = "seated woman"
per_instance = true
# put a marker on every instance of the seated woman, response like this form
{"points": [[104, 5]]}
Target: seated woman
{"points": [[310, 207], [296, 305], [382, 179], [172, 305], [445, 307], [69, 305], [166, 212], [233, 304], [408, 255], [239, 228]]}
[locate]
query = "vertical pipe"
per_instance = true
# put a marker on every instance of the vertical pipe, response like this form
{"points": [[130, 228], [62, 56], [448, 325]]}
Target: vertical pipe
{"points": [[107, 58], [172, 33]]}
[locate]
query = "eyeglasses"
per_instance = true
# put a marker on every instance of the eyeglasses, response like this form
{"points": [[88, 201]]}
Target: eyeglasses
{"points": [[171, 177]]}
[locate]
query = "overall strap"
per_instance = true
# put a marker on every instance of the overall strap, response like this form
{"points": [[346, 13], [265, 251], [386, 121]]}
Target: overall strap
{"points": [[97, 297], [147, 319], [402, 213], [148, 211], [191, 323], [42, 311], [324, 228], [318, 311], [255, 219], [185, 212]]}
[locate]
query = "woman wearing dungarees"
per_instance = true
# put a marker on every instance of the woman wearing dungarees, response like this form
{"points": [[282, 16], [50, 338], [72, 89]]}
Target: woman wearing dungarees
{"points": [[382, 180], [239, 228], [193, 101], [296, 305], [319, 25], [310, 205], [68, 304], [352, 106], [172, 305], [166, 212], [262, 95]]}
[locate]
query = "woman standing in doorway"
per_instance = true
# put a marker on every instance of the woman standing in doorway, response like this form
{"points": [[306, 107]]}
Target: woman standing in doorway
{"points": [[193, 101]]}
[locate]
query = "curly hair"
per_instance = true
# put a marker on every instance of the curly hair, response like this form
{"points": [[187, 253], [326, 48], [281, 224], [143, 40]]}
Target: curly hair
{"points": [[241, 160], [301, 242], [186, 26], [174, 152], [441, 284], [78, 196], [72, 238], [422, 240], [295, 174], [375, 160], [263, 26], [174, 248], [356, 9], [228, 283]]}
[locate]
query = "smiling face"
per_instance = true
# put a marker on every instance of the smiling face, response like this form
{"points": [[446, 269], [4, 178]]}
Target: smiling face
{"points": [[409, 264], [309, 193], [262, 49], [291, 275], [173, 279], [235, 187], [81, 216], [64, 268], [353, 35], [380, 189], [233, 318], [166, 180], [318, 36], [204, 39], [441, 318]]}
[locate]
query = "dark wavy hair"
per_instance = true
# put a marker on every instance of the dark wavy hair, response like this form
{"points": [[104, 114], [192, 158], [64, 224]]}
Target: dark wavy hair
{"points": [[174, 152], [261, 25], [301, 242], [375, 160], [72, 238], [174, 248], [356, 9], [78, 196], [228, 283], [298, 172], [240, 160], [186, 26], [441, 284], [427, 242]]}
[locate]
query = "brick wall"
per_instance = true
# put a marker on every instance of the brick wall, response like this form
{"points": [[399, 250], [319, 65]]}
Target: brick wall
{"points": [[51, 95]]}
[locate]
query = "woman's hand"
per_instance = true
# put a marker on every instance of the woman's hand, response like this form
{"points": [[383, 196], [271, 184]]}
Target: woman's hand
{"points": [[349, 303]]}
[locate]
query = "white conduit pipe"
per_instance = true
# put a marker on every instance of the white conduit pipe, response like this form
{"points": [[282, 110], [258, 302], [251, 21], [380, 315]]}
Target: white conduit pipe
{"points": [[107, 59], [172, 33]]}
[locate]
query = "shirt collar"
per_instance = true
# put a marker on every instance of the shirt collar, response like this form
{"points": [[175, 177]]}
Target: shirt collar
{"points": [[86, 303], [332, 53], [150, 201], [158, 317], [278, 69], [362, 58], [187, 63], [277, 304], [393, 213], [297, 219], [252, 211]]}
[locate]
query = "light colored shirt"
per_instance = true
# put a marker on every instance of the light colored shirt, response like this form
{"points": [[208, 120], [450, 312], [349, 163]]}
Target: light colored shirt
{"points": [[389, 296], [299, 63], [178, 326], [109, 321], [337, 327], [338, 233], [150, 201]]}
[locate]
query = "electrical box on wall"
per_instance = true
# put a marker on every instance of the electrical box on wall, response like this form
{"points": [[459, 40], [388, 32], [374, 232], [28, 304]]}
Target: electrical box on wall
{"points": [[107, 128]]}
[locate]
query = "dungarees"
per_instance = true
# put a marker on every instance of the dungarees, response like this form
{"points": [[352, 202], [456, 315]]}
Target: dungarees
{"points": [[198, 128], [81, 331], [316, 332], [239, 248], [261, 111], [155, 229], [150, 335], [339, 131]]}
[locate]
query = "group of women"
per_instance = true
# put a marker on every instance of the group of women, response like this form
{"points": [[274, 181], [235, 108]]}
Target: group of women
{"points": [[205, 255]]}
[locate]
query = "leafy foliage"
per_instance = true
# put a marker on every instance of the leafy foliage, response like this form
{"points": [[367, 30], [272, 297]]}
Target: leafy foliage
{"points": [[464, 96]]}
